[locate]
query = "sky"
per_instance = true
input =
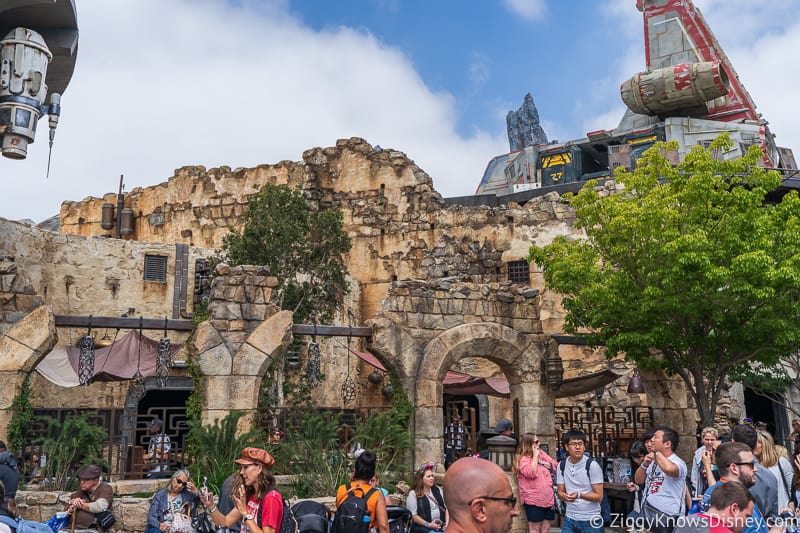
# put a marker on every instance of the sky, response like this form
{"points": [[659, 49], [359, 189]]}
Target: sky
{"points": [[161, 84]]}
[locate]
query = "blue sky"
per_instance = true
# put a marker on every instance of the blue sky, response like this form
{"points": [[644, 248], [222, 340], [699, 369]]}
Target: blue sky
{"points": [[161, 84]]}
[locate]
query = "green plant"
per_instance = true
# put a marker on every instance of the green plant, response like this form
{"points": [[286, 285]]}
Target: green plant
{"points": [[386, 434], [22, 419], [194, 403], [69, 445], [312, 453], [217, 446]]}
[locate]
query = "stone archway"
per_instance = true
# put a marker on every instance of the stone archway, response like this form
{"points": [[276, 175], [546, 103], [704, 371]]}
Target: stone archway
{"points": [[233, 376], [518, 355], [21, 349]]}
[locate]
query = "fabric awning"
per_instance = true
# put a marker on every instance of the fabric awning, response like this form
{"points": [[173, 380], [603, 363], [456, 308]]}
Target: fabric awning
{"points": [[117, 362], [456, 383]]}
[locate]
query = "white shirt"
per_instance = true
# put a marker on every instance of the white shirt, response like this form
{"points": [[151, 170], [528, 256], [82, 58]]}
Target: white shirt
{"points": [[575, 479]]}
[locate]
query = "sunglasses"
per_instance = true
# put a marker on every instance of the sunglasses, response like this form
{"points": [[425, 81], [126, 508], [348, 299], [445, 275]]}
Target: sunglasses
{"points": [[751, 464], [181, 482], [510, 501]]}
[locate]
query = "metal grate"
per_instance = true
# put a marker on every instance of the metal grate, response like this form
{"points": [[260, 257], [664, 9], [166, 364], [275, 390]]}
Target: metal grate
{"points": [[519, 272], [155, 268]]}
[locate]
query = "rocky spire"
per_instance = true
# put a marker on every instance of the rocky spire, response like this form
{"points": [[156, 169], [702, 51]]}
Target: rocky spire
{"points": [[523, 126]]}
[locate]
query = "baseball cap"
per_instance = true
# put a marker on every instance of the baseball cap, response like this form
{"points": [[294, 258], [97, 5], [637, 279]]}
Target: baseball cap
{"points": [[503, 425], [251, 456]]}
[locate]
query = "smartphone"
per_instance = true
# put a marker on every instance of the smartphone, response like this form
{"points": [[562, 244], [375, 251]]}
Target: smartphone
{"points": [[204, 489]]}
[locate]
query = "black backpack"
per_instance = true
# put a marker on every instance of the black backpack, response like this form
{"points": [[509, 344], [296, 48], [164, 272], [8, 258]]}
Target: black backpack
{"points": [[352, 515], [605, 507], [289, 521]]}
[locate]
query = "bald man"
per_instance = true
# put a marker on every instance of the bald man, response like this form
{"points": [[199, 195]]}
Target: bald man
{"points": [[479, 497]]}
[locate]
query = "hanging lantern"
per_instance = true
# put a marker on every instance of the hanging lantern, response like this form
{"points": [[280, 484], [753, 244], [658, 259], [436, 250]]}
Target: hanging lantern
{"points": [[636, 385], [314, 371], [388, 390], [348, 386], [293, 355], [376, 377], [164, 358], [137, 389], [163, 361], [86, 359]]}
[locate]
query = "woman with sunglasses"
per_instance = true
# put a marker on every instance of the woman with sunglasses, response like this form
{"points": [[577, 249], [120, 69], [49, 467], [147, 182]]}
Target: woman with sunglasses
{"points": [[257, 505], [169, 501], [426, 502], [534, 470]]}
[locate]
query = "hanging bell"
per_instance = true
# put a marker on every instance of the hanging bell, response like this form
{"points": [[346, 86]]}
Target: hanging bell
{"points": [[376, 377], [388, 391]]}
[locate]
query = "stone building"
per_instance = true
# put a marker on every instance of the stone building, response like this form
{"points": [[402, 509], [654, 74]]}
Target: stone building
{"points": [[444, 287]]}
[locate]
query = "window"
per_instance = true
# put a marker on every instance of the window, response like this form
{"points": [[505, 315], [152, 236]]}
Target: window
{"points": [[155, 268], [519, 272]]}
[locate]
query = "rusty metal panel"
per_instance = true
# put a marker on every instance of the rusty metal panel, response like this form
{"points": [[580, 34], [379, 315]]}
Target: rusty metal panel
{"points": [[619, 155]]}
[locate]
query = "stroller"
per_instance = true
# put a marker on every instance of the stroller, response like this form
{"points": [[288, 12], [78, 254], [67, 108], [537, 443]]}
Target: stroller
{"points": [[312, 517], [399, 518]]}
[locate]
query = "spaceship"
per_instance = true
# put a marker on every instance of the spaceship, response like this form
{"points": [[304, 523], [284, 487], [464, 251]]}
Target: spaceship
{"points": [[38, 47], [689, 93]]}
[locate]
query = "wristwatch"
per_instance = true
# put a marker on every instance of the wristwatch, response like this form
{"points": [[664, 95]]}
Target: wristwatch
{"points": [[248, 517]]}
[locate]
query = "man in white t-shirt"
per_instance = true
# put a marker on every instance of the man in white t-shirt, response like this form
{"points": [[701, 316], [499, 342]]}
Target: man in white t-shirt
{"points": [[665, 473], [582, 491]]}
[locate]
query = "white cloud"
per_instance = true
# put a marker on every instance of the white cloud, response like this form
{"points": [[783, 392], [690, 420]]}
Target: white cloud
{"points": [[196, 83], [527, 9]]}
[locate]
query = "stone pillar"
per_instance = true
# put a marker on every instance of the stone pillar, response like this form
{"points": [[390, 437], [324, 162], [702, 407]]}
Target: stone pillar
{"points": [[536, 412], [672, 406], [21, 349], [233, 381]]}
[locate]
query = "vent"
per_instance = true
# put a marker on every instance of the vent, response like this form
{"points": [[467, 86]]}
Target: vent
{"points": [[519, 272], [155, 268]]}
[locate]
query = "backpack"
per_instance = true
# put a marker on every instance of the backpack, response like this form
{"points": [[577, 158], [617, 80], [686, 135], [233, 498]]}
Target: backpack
{"points": [[312, 517], [25, 526], [605, 507], [289, 521], [352, 515]]}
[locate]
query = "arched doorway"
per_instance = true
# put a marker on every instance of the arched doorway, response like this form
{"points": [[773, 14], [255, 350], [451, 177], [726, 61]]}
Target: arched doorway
{"points": [[518, 356]]}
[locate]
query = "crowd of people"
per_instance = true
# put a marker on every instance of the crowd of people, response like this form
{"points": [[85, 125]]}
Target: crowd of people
{"points": [[740, 482]]}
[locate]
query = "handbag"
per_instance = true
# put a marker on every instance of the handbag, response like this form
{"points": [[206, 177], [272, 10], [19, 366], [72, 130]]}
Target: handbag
{"points": [[181, 521], [105, 519], [202, 523]]}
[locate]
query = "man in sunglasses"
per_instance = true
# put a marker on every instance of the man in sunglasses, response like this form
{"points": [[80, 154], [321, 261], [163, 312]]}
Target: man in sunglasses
{"points": [[736, 462], [479, 497]]}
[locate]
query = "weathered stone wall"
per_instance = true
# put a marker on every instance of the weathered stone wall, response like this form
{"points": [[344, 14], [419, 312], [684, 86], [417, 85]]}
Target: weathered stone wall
{"points": [[399, 225], [78, 275]]}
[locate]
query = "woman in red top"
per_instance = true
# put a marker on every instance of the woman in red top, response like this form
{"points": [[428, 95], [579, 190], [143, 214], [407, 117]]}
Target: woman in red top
{"points": [[256, 494], [532, 466]]}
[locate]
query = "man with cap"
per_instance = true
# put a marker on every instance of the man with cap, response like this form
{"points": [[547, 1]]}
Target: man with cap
{"points": [[157, 449], [93, 496], [9, 476]]}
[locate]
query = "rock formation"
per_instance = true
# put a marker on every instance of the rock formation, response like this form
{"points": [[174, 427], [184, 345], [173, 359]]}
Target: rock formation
{"points": [[523, 126]]}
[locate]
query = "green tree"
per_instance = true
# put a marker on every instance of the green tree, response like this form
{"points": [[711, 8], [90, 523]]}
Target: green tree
{"points": [[303, 249], [688, 270]]}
